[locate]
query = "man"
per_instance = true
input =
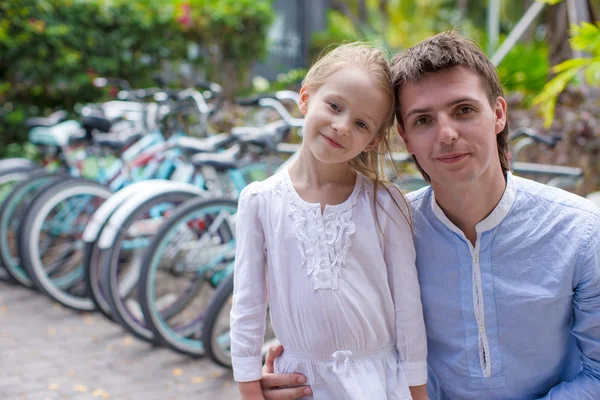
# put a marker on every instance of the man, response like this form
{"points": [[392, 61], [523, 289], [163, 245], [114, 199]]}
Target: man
{"points": [[509, 268]]}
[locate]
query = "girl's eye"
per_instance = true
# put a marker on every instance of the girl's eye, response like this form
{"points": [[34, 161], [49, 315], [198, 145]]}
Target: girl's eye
{"points": [[361, 125], [334, 106]]}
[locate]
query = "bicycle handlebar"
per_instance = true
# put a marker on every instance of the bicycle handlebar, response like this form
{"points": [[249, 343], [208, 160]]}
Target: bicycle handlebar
{"points": [[282, 111], [549, 140]]}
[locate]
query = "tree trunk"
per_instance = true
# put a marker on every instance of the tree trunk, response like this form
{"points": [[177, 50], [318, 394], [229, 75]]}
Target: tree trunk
{"points": [[362, 12], [557, 19], [557, 35], [462, 6]]}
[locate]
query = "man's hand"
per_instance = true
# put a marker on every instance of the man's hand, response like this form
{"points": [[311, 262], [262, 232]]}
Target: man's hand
{"points": [[281, 386]]}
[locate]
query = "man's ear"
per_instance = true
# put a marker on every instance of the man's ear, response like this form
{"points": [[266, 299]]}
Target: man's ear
{"points": [[500, 112], [303, 100], [403, 136]]}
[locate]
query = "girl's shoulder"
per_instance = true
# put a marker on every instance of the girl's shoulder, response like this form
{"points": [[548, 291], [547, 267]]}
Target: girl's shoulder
{"points": [[267, 187], [385, 195]]}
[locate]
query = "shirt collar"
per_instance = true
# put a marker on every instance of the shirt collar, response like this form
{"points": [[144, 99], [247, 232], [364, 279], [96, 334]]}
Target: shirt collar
{"points": [[491, 221]]}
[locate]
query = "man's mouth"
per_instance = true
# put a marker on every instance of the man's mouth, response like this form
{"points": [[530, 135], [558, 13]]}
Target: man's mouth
{"points": [[451, 158]]}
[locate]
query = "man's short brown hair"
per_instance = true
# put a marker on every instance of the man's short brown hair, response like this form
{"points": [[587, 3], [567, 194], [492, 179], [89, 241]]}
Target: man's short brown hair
{"points": [[442, 51]]}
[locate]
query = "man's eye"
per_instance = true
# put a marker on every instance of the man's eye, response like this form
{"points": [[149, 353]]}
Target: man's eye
{"points": [[334, 106], [465, 110]]}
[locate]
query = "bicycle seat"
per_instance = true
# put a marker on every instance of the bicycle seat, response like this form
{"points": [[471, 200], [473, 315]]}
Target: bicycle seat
{"points": [[97, 121], [53, 119], [211, 144], [121, 135], [224, 160], [59, 135], [268, 136]]}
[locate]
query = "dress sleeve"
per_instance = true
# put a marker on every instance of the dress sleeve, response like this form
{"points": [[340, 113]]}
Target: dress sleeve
{"points": [[400, 256], [249, 309]]}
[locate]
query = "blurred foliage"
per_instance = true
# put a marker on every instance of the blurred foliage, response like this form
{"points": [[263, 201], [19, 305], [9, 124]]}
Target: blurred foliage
{"points": [[585, 38], [525, 69], [291, 80], [50, 51], [232, 32], [394, 27], [577, 118]]}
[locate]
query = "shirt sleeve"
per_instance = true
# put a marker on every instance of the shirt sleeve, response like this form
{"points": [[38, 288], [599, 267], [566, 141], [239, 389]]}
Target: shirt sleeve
{"points": [[400, 257], [586, 322], [249, 309]]}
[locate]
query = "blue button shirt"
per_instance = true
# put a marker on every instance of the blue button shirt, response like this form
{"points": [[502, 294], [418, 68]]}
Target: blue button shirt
{"points": [[517, 316]]}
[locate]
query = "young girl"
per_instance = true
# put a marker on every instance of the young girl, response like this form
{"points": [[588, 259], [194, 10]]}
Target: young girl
{"points": [[328, 244]]}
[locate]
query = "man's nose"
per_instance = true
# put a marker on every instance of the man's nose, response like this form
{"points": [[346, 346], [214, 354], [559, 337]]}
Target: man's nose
{"points": [[447, 132]]}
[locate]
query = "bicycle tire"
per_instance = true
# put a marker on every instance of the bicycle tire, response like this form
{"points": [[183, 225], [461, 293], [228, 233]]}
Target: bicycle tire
{"points": [[10, 176], [34, 257], [11, 213], [185, 338], [214, 350], [119, 310], [217, 343]]}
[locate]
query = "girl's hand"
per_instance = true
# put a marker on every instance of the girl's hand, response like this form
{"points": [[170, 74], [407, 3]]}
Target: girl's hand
{"points": [[281, 386]]}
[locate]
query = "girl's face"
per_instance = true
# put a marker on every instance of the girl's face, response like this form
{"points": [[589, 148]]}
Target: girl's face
{"points": [[343, 116]]}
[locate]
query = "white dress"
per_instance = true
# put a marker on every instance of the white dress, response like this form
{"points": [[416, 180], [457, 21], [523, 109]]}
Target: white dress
{"points": [[344, 299]]}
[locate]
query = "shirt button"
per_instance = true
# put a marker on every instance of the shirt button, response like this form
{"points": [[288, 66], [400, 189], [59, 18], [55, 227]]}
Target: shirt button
{"points": [[476, 258], [481, 329]]}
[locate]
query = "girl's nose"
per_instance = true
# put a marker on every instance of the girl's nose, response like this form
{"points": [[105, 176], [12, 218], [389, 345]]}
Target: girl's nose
{"points": [[342, 126]]}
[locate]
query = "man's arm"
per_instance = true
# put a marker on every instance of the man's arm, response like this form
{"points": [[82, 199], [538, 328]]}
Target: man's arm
{"points": [[281, 386], [586, 323]]}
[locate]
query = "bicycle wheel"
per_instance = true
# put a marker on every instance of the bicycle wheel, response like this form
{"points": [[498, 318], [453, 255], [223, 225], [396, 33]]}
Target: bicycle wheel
{"points": [[122, 259], [50, 239], [91, 251], [12, 211], [187, 259], [216, 328], [10, 176]]}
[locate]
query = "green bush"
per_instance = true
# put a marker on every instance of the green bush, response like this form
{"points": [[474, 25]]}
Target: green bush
{"points": [[584, 38], [232, 33], [525, 69], [50, 51]]}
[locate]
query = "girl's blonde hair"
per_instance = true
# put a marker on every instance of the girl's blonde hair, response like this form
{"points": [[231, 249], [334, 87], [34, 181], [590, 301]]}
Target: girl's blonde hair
{"points": [[374, 61]]}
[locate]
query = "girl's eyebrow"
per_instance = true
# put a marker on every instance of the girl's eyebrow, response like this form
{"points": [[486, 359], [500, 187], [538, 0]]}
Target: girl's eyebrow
{"points": [[362, 115]]}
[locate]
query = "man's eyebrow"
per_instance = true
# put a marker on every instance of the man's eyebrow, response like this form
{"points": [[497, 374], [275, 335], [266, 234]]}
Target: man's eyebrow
{"points": [[465, 99]]}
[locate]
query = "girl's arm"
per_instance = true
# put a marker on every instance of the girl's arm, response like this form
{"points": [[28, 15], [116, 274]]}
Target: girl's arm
{"points": [[419, 392], [249, 309], [400, 257]]}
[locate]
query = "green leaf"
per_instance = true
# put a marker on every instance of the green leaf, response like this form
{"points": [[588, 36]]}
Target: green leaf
{"points": [[572, 63], [546, 100], [551, 2]]}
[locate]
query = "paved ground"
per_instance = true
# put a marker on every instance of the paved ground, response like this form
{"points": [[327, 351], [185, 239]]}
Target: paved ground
{"points": [[50, 352]]}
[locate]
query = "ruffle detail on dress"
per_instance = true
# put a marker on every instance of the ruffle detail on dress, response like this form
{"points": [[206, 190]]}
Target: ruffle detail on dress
{"points": [[323, 240]]}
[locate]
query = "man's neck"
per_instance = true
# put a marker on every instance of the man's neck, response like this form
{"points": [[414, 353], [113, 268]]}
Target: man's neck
{"points": [[470, 203]]}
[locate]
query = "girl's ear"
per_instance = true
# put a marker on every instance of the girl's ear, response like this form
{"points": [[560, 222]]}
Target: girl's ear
{"points": [[373, 143], [303, 97]]}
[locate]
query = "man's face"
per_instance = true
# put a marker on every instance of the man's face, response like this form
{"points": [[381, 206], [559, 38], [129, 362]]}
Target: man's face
{"points": [[450, 127]]}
